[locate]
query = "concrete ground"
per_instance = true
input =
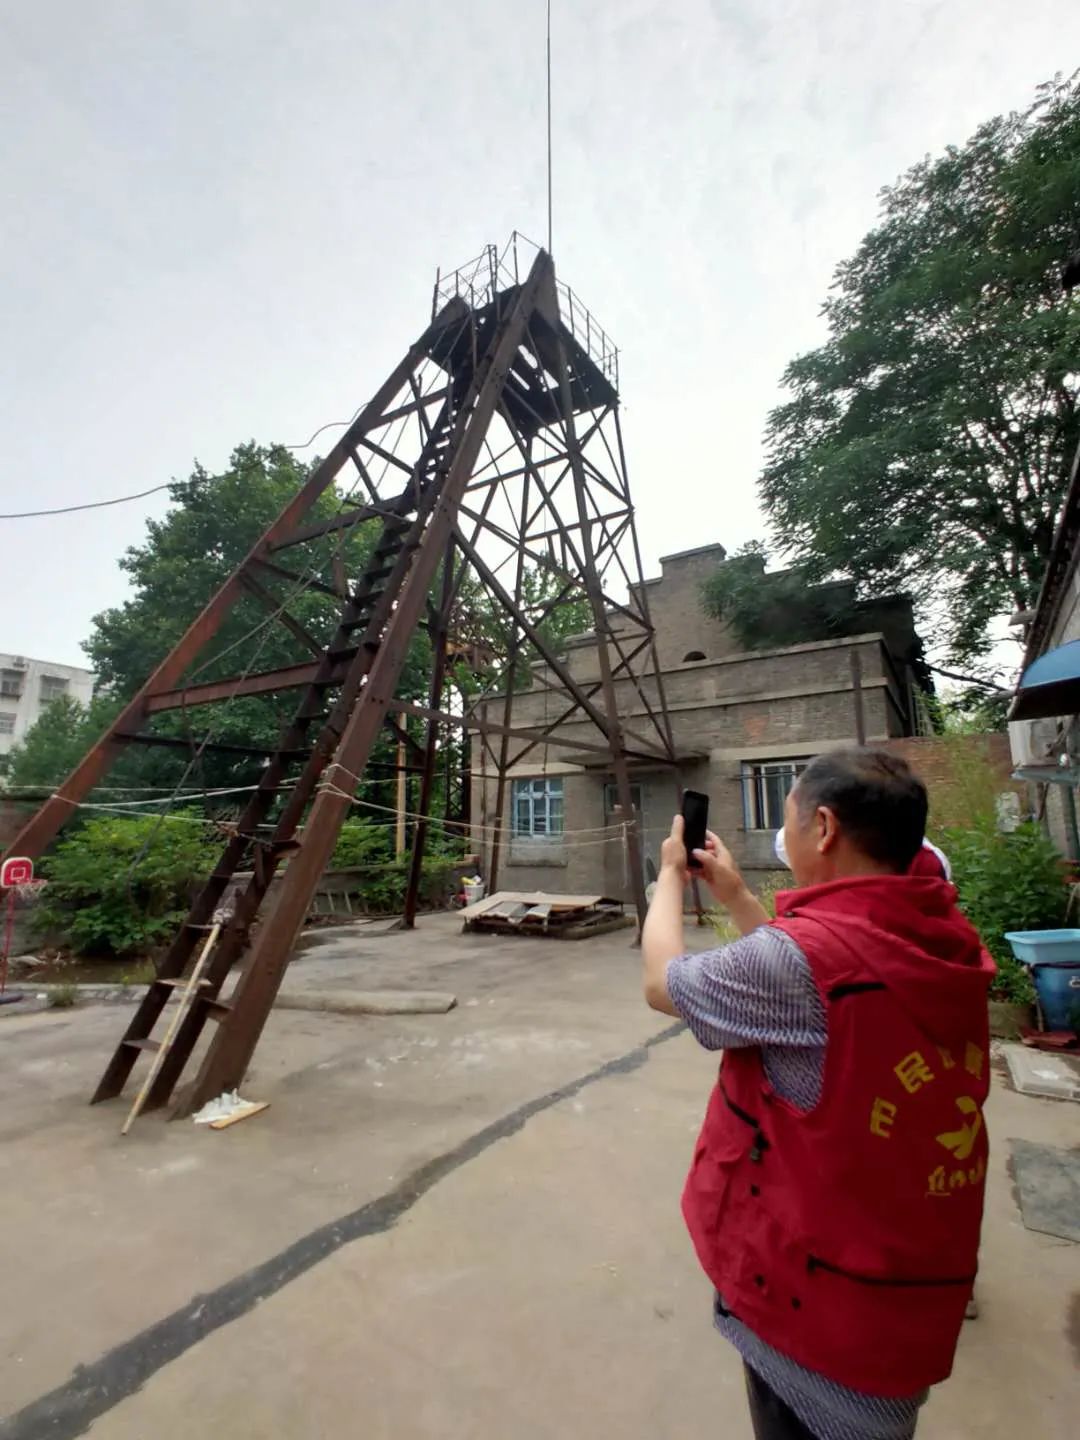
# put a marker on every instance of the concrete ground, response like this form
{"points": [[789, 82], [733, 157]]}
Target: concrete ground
{"points": [[445, 1226]]}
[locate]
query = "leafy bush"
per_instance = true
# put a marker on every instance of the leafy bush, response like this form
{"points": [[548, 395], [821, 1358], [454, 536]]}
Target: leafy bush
{"points": [[382, 892], [365, 844], [361, 842], [1007, 880], [120, 886]]}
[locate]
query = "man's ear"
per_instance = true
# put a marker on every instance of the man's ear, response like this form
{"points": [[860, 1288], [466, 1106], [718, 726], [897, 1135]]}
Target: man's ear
{"points": [[827, 828]]}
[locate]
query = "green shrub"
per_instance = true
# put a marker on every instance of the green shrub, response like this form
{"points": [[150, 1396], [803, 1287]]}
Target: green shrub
{"points": [[120, 886], [365, 845], [382, 891], [63, 997], [1007, 880], [1013, 981], [361, 842]]}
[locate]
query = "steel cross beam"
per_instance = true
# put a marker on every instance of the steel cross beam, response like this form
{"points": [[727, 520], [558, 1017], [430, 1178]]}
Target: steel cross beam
{"points": [[507, 359], [232, 1047], [43, 826], [600, 624]]}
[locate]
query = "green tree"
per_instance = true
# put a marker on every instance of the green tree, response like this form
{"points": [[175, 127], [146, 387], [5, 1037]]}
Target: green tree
{"points": [[781, 608], [57, 741], [926, 444], [212, 524]]}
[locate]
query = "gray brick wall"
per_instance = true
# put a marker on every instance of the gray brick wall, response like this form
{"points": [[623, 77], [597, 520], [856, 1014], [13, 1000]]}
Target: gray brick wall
{"points": [[729, 708]]}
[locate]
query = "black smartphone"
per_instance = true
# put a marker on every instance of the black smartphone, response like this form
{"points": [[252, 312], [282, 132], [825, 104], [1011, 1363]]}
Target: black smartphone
{"points": [[695, 813]]}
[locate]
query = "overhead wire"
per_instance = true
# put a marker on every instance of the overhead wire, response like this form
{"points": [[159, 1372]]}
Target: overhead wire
{"points": [[157, 489], [302, 584]]}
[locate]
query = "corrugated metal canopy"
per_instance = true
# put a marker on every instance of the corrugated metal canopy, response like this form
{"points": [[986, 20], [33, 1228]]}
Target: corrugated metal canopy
{"points": [[1050, 685]]}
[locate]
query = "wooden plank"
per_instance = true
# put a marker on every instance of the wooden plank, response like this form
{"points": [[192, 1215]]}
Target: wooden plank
{"points": [[531, 897], [255, 1107], [161, 1048]]}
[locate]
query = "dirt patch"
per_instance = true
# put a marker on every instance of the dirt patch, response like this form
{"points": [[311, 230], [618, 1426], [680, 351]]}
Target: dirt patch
{"points": [[65, 970]]}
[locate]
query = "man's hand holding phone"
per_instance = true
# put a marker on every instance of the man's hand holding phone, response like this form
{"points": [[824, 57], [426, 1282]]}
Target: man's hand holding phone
{"points": [[720, 873], [714, 862]]}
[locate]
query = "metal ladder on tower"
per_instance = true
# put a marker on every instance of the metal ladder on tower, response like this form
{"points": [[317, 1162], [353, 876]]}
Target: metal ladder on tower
{"points": [[355, 644], [362, 662]]}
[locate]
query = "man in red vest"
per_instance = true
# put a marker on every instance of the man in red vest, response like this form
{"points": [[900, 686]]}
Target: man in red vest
{"points": [[836, 1190]]}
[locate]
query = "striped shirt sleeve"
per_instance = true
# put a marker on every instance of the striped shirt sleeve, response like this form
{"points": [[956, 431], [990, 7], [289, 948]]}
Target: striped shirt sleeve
{"points": [[756, 991]]}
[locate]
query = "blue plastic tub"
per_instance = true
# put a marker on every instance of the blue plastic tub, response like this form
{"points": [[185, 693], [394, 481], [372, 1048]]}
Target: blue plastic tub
{"points": [[1054, 957], [1045, 947]]}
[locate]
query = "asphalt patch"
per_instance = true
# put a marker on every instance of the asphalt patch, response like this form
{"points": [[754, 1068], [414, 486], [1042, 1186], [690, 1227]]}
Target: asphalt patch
{"points": [[93, 1389]]}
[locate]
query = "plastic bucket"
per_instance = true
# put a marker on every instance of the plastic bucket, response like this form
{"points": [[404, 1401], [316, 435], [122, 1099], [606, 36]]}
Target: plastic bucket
{"points": [[1054, 958], [1058, 989], [474, 890]]}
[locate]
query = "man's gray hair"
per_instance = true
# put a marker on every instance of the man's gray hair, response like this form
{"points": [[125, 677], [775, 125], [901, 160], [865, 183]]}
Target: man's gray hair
{"points": [[879, 802]]}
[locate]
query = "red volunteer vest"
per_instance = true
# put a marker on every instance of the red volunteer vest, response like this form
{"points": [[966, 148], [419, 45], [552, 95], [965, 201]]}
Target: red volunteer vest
{"points": [[847, 1236]]}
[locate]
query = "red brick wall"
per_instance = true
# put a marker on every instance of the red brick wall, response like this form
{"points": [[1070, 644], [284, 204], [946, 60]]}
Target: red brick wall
{"points": [[956, 768]]}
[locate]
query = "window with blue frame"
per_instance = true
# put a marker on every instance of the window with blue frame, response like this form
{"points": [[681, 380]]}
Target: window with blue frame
{"points": [[538, 808]]}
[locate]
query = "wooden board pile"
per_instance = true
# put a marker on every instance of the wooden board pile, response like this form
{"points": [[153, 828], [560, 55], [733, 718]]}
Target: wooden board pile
{"points": [[532, 912]]}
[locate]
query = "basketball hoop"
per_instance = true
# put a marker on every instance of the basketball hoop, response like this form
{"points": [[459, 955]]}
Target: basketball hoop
{"points": [[29, 889], [19, 886]]}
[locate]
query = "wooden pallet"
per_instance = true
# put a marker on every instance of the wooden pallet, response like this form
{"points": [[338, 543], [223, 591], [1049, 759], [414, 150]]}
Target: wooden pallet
{"points": [[520, 912]]}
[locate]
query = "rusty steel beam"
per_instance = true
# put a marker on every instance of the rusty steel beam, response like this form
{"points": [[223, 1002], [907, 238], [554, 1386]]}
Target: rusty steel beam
{"points": [[516, 732], [631, 833], [416, 407], [40, 829], [279, 613], [232, 1047], [595, 714], [345, 521], [438, 630], [263, 682], [301, 581], [383, 454]]}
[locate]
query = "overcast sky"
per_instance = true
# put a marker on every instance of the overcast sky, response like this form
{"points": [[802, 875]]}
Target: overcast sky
{"points": [[221, 221]]}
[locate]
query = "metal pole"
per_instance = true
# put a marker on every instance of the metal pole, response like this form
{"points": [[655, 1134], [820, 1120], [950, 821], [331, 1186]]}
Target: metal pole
{"points": [[440, 643], [550, 251], [399, 829]]}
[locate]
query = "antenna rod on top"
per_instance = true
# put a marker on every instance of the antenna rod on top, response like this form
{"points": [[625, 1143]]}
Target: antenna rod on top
{"points": [[549, 123]]}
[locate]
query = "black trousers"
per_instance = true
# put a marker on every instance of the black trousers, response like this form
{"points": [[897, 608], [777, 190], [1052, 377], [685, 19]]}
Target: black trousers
{"points": [[772, 1419]]}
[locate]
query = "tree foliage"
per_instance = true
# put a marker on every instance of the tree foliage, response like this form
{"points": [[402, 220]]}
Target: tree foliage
{"points": [[212, 523], [120, 885], [926, 444], [1007, 880], [57, 741], [782, 608]]}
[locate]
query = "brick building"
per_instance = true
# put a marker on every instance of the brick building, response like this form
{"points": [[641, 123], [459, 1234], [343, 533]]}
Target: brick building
{"points": [[744, 723]]}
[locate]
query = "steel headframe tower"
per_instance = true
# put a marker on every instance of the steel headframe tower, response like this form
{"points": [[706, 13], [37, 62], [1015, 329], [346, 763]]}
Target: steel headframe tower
{"points": [[510, 360]]}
